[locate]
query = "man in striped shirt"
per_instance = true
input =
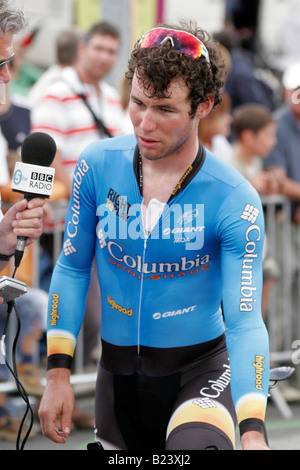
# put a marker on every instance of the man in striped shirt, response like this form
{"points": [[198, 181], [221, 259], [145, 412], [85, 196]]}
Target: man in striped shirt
{"points": [[64, 114]]}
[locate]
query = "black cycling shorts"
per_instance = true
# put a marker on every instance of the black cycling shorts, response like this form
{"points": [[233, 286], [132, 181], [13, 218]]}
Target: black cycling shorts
{"points": [[188, 410]]}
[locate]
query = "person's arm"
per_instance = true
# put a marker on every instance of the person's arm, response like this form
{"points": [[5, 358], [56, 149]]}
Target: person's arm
{"points": [[291, 189], [241, 233], [277, 164], [67, 298], [58, 386]]}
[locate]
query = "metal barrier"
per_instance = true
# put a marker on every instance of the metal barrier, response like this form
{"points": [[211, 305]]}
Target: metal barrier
{"points": [[283, 321], [283, 236]]}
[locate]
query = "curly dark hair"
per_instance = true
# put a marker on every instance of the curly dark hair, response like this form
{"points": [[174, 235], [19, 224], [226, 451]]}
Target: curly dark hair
{"points": [[157, 66]]}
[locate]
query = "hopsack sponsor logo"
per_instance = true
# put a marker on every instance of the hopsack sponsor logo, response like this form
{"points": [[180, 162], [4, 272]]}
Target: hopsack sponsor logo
{"points": [[118, 307], [54, 310], [259, 369]]}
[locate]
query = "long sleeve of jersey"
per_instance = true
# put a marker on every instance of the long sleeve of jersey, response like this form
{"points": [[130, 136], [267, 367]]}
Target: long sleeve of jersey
{"points": [[165, 297], [72, 273], [241, 234]]}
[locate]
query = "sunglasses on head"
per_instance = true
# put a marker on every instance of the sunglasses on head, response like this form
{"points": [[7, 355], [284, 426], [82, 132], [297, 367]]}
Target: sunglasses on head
{"points": [[181, 41], [6, 62]]}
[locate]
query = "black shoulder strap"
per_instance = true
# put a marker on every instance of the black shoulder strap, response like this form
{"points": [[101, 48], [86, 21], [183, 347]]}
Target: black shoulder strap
{"points": [[97, 120], [100, 126]]}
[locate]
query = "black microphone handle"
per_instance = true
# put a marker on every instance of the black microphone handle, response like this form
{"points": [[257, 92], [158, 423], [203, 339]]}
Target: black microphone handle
{"points": [[21, 240]]}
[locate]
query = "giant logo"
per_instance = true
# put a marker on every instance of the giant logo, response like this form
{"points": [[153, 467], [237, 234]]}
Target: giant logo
{"points": [[173, 313]]}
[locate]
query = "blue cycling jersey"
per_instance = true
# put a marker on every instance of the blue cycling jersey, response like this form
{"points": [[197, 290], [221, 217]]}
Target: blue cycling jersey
{"points": [[169, 294]]}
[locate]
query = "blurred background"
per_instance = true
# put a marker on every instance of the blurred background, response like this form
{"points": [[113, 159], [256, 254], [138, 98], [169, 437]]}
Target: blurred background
{"points": [[271, 24]]}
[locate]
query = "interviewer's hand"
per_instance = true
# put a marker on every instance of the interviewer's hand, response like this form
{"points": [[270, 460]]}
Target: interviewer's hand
{"points": [[22, 219], [57, 405]]}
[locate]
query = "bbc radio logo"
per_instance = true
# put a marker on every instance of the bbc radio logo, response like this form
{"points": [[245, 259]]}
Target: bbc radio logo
{"points": [[41, 177], [33, 179]]}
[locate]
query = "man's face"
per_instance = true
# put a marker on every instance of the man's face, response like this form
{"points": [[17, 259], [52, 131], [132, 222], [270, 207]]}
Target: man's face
{"points": [[99, 55], [162, 126], [6, 51]]}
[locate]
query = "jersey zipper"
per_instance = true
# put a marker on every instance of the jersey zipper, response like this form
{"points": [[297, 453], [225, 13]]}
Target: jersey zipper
{"points": [[140, 299]]}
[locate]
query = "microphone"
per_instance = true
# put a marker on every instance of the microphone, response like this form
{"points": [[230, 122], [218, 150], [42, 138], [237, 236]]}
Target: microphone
{"points": [[33, 177]]}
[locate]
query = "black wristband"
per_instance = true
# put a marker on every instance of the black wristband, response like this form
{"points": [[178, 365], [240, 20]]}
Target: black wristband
{"points": [[252, 424], [5, 257], [61, 361]]}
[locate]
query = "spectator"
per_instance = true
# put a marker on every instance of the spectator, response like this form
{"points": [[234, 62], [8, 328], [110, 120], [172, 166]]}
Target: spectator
{"points": [[214, 129], [64, 114], [243, 16], [285, 163], [66, 54], [242, 84], [284, 158], [255, 136]]}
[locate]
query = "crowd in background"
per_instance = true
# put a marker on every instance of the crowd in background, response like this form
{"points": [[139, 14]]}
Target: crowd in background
{"points": [[256, 128]]}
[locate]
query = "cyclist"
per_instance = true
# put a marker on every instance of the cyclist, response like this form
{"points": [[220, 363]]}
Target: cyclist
{"points": [[178, 237]]}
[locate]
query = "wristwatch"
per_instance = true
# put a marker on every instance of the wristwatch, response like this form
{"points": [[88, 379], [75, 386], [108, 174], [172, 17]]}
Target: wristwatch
{"points": [[5, 257]]}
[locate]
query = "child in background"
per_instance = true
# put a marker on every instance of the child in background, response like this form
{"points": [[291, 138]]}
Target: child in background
{"points": [[254, 137], [214, 130]]}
